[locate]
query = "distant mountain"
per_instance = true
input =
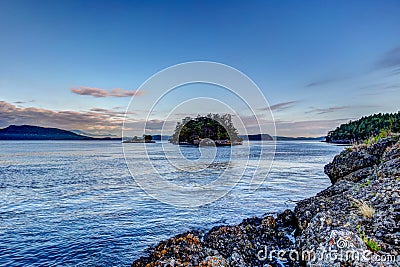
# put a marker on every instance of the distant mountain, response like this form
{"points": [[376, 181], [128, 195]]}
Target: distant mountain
{"points": [[29, 132], [267, 137], [161, 137], [301, 138], [256, 137]]}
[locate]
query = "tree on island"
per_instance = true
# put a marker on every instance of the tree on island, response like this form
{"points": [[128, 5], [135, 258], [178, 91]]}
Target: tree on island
{"points": [[216, 127], [147, 137]]}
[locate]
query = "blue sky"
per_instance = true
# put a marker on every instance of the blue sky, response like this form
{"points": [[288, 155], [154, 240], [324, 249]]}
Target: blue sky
{"points": [[318, 63]]}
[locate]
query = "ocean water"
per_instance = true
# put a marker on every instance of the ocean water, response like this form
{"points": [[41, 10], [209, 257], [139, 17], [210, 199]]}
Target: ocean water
{"points": [[74, 203]]}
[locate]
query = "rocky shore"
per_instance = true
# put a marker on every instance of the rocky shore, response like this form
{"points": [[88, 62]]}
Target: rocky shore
{"points": [[354, 222]]}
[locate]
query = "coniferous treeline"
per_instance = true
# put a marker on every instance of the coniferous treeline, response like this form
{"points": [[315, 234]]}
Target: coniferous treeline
{"points": [[212, 126], [364, 128]]}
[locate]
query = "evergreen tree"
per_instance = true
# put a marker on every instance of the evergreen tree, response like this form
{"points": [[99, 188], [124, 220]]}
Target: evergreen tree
{"points": [[364, 128]]}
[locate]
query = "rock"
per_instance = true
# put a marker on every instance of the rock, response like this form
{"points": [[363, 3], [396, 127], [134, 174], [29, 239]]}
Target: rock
{"points": [[182, 250], [380, 147], [392, 152], [359, 174], [347, 162], [287, 218], [237, 245], [377, 187], [390, 168], [358, 162], [214, 261], [269, 222]]}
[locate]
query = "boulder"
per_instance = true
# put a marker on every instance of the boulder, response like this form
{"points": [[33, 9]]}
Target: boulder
{"points": [[347, 162], [392, 152]]}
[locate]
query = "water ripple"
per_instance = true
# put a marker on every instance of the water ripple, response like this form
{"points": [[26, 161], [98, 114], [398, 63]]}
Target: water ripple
{"points": [[75, 204]]}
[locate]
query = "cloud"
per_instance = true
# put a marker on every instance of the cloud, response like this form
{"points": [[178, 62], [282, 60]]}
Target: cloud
{"points": [[97, 92], [379, 89], [321, 82], [320, 111], [333, 78], [92, 134], [395, 72], [283, 105], [99, 110], [97, 120], [390, 59], [23, 102], [154, 125], [112, 112]]}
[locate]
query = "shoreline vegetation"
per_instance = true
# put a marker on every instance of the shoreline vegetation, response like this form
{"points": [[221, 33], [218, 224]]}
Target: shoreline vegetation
{"points": [[365, 129]]}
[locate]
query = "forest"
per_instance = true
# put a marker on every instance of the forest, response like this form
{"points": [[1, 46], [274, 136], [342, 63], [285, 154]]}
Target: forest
{"points": [[362, 129]]}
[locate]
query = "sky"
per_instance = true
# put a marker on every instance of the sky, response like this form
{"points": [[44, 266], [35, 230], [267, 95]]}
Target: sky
{"points": [[76, 65]]}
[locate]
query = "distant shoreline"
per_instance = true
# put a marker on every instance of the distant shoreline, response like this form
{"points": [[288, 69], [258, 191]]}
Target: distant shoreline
{"points": [[31, 133]]}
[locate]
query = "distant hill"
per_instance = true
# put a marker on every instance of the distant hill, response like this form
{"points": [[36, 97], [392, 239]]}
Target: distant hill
{"points": [[29, 132], [267, 137], [364, 128], [159, 137], [256, 137], [301, 138]]}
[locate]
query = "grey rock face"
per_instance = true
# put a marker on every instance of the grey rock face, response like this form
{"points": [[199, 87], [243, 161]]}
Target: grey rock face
{"points": [[362, 204], [348, 162]]}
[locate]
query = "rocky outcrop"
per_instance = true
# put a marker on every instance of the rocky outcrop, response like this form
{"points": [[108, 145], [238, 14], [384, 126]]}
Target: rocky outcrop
{"points": [[358, 162], [340, 166], [363, 204], [354, 222], [245, 244]]}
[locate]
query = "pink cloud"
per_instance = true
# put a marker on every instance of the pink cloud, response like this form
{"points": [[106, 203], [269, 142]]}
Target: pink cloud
{"points": [[93, 120], [97, 92]]}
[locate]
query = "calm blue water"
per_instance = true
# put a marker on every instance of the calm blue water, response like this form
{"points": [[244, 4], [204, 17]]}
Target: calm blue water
{"points": [[75, 204]]}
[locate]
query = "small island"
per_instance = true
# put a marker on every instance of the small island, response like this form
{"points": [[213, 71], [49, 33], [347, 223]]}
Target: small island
{"points": [[210, 130], [145, 139]]}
